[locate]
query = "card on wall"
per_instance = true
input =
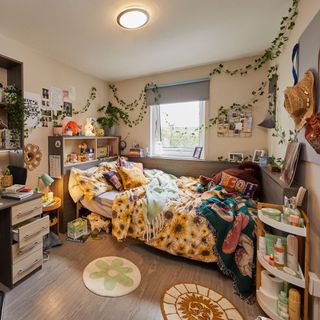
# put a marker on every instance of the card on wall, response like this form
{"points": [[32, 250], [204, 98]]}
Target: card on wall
{"points": [[32, 103]]}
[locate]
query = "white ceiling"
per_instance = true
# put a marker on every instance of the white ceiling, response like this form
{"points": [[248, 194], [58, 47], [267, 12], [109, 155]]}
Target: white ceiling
{"points": [[181, 33]]}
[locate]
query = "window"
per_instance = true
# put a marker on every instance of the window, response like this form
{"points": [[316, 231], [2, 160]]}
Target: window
{"points": [[175, 122], [175, 128]]}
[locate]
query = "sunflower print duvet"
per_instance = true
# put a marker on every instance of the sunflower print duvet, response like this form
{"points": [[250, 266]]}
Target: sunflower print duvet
{"points": [[179, 230]]}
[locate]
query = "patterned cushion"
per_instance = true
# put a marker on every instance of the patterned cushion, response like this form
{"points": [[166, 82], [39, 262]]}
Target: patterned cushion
{"points": [[113, 178], [129, 164], [232, 183], [91, 186], [132, 177]]}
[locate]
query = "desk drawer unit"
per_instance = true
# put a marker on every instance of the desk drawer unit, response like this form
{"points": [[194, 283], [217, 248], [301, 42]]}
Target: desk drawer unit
{"points": [[27, 265], [27, 234], [19, 254], [25, 211]]}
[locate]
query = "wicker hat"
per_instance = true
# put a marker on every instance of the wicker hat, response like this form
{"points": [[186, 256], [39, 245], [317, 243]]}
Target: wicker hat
{"points": [[299, 100]]}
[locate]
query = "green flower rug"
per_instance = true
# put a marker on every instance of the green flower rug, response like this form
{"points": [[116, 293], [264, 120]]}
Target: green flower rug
{"points": [[111, 276], [189, 301]]}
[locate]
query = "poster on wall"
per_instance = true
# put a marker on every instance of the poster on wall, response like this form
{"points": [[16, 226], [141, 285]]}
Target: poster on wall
{"points": [[32, 103], [56, 98], [235, 123]]}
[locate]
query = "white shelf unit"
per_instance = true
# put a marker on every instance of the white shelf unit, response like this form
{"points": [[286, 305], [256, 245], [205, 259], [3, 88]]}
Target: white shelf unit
{"points": [[303, 235], [298, 231]]}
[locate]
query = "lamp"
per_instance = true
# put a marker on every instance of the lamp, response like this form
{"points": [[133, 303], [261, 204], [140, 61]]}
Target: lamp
{"points": [[46, 180], [133, 18]]}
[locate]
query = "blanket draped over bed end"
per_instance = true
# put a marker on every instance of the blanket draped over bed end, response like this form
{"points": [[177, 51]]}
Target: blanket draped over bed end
{"points": [[232, 218], [170, 214]]}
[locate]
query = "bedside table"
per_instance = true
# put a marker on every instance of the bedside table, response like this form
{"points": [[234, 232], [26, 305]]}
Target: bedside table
{"points": [[53, 210]]}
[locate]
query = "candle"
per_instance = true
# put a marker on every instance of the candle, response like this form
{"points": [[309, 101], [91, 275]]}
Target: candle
{"points": [[50, 196]]}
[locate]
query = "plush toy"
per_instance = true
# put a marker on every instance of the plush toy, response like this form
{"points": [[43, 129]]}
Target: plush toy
{"points": [[73, 126], [89, 128], [99, 132]]}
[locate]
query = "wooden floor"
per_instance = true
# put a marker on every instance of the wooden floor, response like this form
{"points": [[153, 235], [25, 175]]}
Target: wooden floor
{"points": [[57, 291]]}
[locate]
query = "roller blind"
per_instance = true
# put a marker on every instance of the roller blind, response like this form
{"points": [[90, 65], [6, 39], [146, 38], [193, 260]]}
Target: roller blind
{"points": [[197, 90]]}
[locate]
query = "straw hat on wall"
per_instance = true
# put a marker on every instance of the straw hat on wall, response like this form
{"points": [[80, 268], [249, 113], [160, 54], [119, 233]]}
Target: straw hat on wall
{"points": [[300, 101]]}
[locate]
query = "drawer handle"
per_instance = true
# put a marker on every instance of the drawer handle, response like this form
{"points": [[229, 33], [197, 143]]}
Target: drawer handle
{"points": [[22, 213], [28, 249], [20, 272], [28, 236]]}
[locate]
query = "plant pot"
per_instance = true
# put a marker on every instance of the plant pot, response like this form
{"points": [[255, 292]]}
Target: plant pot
{"points": [[109, 131], [7, 181], [57, 131]]}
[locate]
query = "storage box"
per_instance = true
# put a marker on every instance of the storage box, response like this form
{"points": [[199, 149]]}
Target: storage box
{"points": [[77, 228]]}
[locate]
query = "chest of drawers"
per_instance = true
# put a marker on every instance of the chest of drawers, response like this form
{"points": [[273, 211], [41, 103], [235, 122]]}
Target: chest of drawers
{"points": [[22, 228]]}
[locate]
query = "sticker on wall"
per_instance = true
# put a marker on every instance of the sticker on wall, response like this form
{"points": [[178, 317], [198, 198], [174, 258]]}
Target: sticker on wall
{"points": [[32, 156]]}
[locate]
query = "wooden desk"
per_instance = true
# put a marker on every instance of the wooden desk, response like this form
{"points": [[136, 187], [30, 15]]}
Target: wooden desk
{"points": [[22, 228]]}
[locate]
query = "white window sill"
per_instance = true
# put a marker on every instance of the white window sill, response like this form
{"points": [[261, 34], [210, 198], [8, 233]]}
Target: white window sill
{"points": [[158, 156]]}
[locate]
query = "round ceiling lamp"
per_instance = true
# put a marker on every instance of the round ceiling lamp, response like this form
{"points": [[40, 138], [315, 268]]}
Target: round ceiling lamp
{"points": [[133, 18]]}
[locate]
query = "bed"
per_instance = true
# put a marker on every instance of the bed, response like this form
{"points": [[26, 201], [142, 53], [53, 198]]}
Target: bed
{"points": [[183, 216]]}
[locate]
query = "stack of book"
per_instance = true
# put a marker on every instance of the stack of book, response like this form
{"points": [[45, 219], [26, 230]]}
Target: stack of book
{"points": [[17, 191], [136, 152]]}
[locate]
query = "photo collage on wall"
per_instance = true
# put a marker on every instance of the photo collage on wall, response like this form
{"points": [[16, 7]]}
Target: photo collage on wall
{"points": [[55, 105], [235, 123]]}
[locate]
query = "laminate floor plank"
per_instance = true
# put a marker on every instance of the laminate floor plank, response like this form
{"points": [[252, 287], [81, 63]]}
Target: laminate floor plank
{"points": [[57, 291]]}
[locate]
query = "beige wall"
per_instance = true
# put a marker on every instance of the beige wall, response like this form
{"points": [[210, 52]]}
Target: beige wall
{"points": [[43, 72], [309, 173], [224, 90]]}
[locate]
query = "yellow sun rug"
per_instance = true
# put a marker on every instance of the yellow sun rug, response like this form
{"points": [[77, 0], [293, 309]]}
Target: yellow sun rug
{"points": [[188, 301]]}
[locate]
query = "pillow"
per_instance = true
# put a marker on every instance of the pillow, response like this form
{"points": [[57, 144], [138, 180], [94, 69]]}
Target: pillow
{"points": [[232, 183], [132, 177], [114, 179], [241, 174], [128, 164], [90, 186]]}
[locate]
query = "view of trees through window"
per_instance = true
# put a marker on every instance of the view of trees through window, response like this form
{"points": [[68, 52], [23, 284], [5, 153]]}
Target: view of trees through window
{"points": [[179, 123]]}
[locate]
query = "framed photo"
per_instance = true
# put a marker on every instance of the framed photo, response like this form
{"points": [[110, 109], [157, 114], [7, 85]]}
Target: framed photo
{"points": [[257, 155], [197, 152], [235, 157], [291, 160]]}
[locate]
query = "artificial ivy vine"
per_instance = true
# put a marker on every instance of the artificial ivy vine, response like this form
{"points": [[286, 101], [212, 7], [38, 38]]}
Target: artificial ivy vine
{"points": [[270, 54], [92, 97], [142, 99]]}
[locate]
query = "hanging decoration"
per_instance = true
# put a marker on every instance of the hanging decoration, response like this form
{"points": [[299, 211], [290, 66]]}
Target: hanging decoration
{"points": [[92, 97], [139, 103], [32, 156], [271, 53]]}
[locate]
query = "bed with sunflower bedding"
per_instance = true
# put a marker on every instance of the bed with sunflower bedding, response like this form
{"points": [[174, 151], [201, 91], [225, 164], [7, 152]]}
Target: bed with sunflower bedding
{"points": [[195, 218]]}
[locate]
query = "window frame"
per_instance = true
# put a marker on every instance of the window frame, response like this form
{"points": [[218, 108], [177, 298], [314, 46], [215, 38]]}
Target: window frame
{"points": [[175, 152]]}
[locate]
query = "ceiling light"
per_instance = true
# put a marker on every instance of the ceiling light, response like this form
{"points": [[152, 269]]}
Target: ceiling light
{"points": [[133, 18]]}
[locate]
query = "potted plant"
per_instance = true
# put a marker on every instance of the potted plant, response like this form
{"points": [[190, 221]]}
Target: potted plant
{"points": [[112, 116], [57, 128], [7, 179]]}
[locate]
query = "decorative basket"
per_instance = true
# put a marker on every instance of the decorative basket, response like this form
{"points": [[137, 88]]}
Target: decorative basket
{"points": [[7, 181]]}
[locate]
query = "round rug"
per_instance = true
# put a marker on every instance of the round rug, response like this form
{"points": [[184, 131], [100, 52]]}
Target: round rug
{"points": [[188, 301], [111, 276]]}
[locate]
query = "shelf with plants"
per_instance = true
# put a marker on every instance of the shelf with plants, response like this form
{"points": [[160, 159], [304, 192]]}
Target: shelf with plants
{"points": [[301, 280]]}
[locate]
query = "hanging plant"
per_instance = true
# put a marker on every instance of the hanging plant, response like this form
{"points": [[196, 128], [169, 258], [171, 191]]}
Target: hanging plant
{"points": [[92, 97], [271, 53], [139, 103], [16, 111], [283, 136]]}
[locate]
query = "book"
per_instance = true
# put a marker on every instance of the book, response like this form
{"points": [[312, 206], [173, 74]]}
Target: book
{"points": [[15, 188], [18, 195]]}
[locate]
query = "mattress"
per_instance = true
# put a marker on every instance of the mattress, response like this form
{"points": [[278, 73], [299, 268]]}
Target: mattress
{"points": [[101, 204]]}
